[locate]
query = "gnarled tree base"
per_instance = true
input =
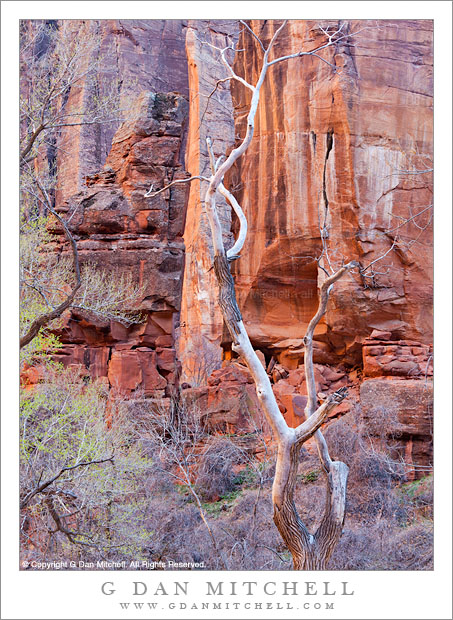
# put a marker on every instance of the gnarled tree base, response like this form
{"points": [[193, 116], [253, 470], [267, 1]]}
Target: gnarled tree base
{"points": [[312, 552]]}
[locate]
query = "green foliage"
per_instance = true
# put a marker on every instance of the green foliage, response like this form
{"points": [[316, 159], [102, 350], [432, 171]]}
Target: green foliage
{"points": [[413, 489], [98, 472], [310, 476], [245, 479], [43, 279], [225, 503], [417, 499], [46, 278], [55, 57]]}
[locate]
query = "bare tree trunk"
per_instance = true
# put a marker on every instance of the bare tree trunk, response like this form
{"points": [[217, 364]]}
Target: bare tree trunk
{"points": [[309, 551], [312, 552]]}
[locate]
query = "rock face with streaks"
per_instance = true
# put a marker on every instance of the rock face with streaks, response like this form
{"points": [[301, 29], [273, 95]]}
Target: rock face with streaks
{"points": [[200, 334], [331, 164], [121, 230], [339, 169], [136, 56]]}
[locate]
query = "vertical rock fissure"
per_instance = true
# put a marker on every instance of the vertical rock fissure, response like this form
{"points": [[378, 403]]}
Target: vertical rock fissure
{"points": [[329, 146]]}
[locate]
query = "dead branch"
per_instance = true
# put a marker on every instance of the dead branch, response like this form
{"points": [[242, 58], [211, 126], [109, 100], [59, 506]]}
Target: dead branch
{"points": [[43, 486]]}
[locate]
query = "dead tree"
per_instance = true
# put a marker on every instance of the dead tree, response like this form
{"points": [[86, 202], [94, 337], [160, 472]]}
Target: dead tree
{"points": [[309, 551]]}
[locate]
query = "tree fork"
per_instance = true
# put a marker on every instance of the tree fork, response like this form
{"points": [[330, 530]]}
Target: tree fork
{"points": [[308, 551]]}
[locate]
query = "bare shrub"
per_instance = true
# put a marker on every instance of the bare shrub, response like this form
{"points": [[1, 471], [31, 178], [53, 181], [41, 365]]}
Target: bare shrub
{"points": [[83, 485], [215, 473], [412, 548], [204, 359], [173, 431], [342, 438], [383, 546], [388, 522]]}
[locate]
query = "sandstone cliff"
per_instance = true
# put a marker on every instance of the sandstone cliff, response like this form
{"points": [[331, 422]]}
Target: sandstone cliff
{"points": [[327, 159], [331, 167]]}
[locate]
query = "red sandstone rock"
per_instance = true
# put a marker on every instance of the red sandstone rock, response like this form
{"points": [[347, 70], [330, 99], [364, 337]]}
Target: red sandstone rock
{"points": [[282, 388], [336, 385], [30, 375], [376, 334], [294, 405], [129, 233], [164, 341], [229, 407], [261, 358], [131, 370], [395, 359], [232, 373], [296, 377], [331, 375], [342, 409], [279, 373], [321, 381], [166, 359], [407, 407], [137, 55], [321, 132], [201, 329], [152, 380], [125, 372], [290, 163]]}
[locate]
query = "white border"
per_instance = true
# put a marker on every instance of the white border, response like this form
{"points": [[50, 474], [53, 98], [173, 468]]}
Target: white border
{"points": [[378, 594]]}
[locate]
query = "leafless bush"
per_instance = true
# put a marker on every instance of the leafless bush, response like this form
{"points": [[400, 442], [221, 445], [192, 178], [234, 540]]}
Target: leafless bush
{"points": [[412, 548], [82, 482], [174, 431], [384, 546], [215, 475], [204, 359], [342, 438], [201, 488]]}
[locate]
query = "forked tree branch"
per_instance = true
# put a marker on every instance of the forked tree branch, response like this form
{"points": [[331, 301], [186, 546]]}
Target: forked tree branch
{"points": [[326, 288], [307, 550], [43, 486]]}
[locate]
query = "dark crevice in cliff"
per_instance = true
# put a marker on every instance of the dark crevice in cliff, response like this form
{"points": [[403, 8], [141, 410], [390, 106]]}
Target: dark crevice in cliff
{"points": [[313, 137], [86, 359], [109, 358], [329, 146], [125, 32]]}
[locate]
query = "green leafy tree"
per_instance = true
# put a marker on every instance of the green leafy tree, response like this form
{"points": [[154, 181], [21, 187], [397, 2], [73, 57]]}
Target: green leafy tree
{"points": [[83, 473]]}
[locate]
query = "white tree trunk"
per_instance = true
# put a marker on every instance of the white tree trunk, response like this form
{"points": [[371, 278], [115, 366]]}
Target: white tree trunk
{"points": [[309, 551]]}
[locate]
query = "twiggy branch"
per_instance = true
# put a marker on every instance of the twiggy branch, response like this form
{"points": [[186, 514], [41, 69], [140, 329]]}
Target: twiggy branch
{"points": [[47, 483], [363, 270], [46, 318], [409, 219], [151, 194], [32, 139], [253, 34]]}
